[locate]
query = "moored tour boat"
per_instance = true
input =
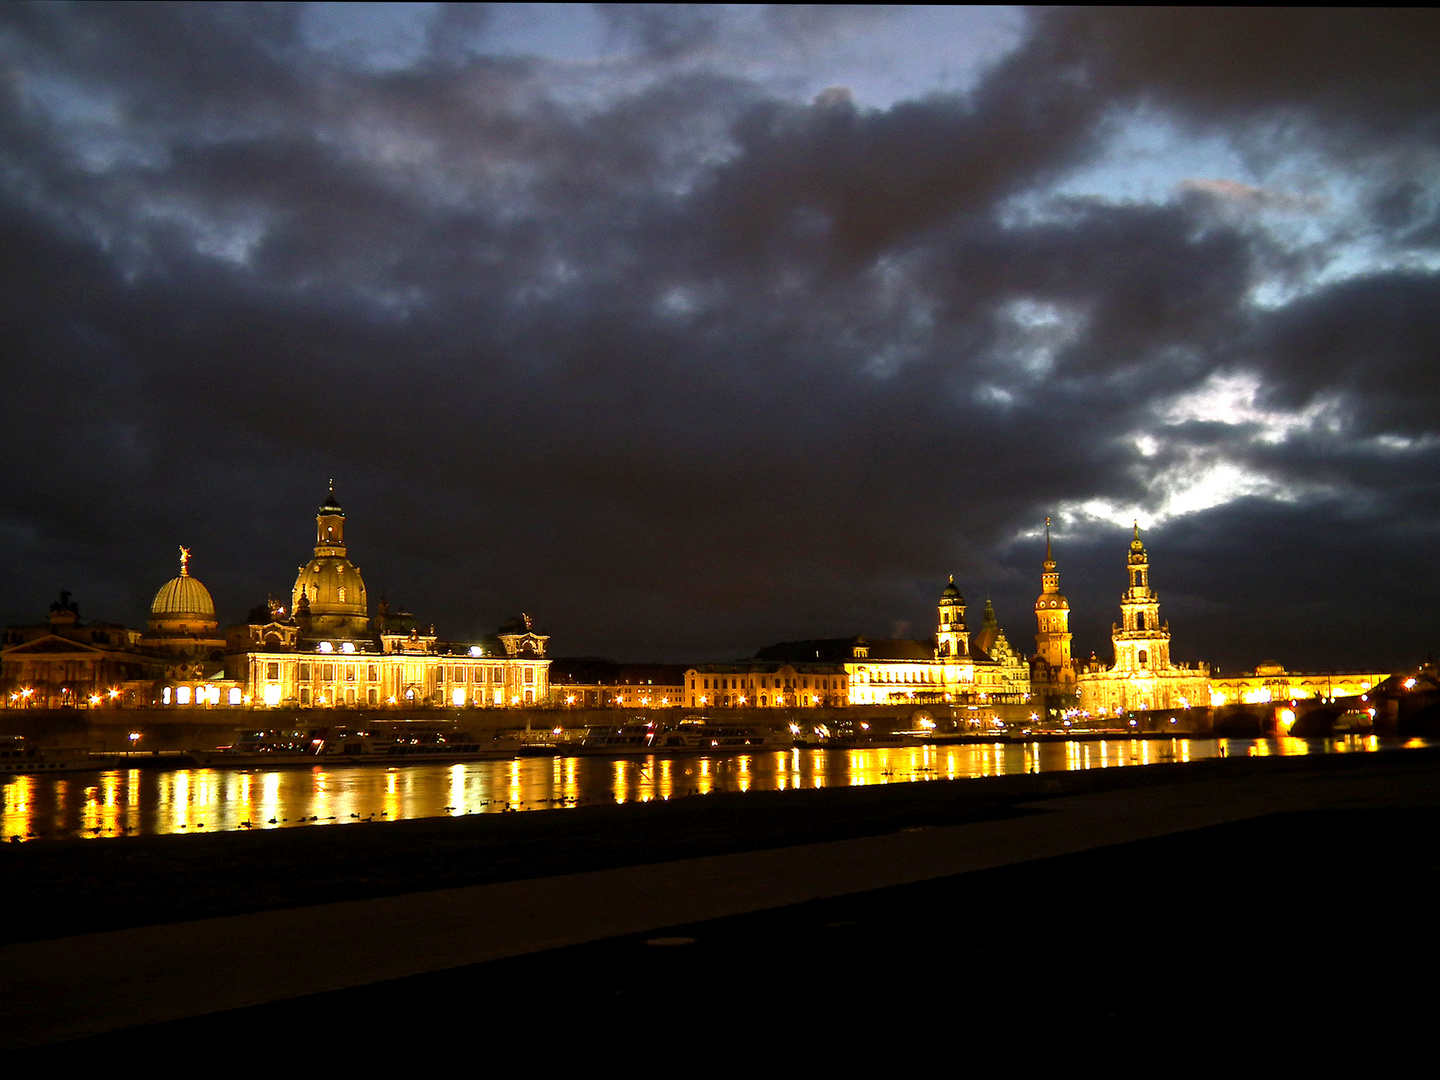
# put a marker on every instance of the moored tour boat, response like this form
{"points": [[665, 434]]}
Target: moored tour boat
{"points": [[692, 734], [20, 756], [343, 746]]}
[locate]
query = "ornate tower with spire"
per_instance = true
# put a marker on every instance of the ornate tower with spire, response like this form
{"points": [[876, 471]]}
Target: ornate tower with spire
{"points": [[1143, 678], [1141, 642], [330, 582], [952, 640], [1053, 671]]}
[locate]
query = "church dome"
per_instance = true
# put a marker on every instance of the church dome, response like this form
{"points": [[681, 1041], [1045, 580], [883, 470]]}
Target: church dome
{"points": [[332, 585], [951, 595], [183, 595]]}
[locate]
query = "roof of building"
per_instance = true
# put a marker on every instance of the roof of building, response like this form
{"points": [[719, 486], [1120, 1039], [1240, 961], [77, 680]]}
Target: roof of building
{"points": [[592, 670], [183, 595], [842, 650]]}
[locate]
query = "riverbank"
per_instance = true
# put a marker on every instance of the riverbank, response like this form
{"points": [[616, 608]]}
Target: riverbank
{"points": [[571, 890], [51, 884]]}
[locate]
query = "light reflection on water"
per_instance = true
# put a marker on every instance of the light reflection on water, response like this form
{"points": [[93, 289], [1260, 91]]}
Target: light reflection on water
{"points": [[131, 801]]}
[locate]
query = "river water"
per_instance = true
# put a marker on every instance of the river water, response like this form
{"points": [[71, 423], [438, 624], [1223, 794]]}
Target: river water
{"points": [[119, 802]]}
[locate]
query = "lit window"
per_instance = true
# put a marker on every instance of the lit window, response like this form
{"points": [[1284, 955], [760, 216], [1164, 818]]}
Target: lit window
{"points": [[182, 695], [325, 646], [349, 646]]}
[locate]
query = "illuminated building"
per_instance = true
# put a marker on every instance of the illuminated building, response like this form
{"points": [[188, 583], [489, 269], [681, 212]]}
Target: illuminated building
{"points": [[954, 667], [1271, 682], [65, 663], [184, 635], [327, 652], [765, 684], [1143, 676], [1052, 669], [603, 684], [324, 652]]}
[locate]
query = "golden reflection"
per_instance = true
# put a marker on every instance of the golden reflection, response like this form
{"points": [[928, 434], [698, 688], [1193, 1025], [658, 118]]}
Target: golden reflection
{"points": [[110, 803], [390, 803], [571, 787], [645, 777], [62, 789], [742, 765], [269, 800], [19, 795], [90, 812], [457, 790], [512, 791], [704, 781], [620, 784]]}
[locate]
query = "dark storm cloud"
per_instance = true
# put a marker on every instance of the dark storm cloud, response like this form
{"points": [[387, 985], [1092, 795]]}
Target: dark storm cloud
{"points": [[685, 366]]}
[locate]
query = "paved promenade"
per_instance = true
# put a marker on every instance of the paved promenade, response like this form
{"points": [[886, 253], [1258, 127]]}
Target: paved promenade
{"points": [[70, 987]]}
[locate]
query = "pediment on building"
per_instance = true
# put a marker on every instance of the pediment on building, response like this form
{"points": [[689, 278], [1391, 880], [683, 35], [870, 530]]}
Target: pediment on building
{"points": [[52, 644]]}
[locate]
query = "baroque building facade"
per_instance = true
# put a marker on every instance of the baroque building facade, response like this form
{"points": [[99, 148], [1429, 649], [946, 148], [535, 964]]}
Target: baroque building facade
{"points": [[955, 667], [1143, 676], [324, 651], [327, 652]]}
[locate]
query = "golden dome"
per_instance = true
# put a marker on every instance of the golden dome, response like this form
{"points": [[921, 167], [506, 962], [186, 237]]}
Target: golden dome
{"points": [[183, 595], [332, 585]]}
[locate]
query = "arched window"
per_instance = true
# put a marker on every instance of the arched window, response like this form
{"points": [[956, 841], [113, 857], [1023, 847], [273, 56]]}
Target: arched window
{"points": [[1144, 658]]}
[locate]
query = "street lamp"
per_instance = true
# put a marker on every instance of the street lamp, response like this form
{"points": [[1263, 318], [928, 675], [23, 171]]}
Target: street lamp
{"points": [[134, 738]]}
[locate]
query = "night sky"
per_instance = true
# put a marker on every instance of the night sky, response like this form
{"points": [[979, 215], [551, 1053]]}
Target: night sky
{"points": [[690, 330]]}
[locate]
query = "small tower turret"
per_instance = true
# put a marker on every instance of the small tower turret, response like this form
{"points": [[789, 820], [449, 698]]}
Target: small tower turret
{"points": [[330, 527]]}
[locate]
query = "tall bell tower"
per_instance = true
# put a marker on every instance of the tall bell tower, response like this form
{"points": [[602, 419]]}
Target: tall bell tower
{"points": [[1142, 643], [1053, 671], [952, 640]]}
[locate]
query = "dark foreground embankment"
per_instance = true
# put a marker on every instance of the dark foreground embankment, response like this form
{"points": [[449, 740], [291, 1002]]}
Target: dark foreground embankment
{"points": [[1229, 918], [61, 887]]}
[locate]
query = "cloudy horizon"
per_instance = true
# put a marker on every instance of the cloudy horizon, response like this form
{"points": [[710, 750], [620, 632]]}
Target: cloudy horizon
{"points": [[692, 329]]}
